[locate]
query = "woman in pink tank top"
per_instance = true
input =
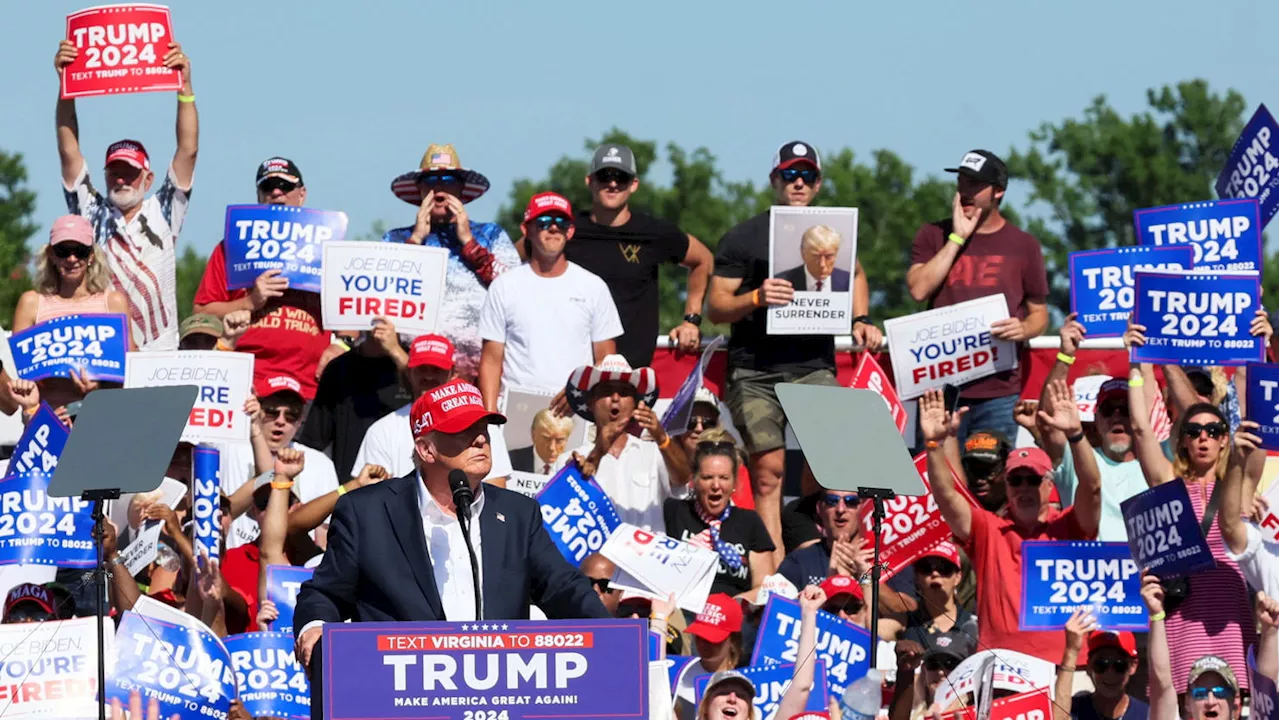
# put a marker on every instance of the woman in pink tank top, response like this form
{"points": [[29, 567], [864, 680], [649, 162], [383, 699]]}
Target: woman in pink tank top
{"points": [[72, 278]]}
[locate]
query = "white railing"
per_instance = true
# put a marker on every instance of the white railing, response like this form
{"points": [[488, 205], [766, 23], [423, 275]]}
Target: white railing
{"points": [[844, 343]]}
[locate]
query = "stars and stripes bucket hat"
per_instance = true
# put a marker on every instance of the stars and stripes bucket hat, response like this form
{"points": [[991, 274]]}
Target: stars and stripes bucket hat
{"points": [[439, 158], [612, 367]]}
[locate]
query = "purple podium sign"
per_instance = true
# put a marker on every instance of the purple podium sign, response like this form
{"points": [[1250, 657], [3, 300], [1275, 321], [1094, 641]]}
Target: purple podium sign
{"points": [[514, 669]]}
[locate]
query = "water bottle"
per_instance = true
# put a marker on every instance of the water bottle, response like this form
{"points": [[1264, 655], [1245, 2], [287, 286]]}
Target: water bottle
{"points": [[861, 700]]}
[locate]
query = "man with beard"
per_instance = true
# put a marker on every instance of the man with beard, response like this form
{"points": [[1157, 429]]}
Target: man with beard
{"points": [[139, 233], [1111, 443], [285, 335], [994, 542], [976, 253]]}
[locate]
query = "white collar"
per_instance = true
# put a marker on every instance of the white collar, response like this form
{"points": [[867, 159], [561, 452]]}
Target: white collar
{"points": [[429, 508], [813, 281]]}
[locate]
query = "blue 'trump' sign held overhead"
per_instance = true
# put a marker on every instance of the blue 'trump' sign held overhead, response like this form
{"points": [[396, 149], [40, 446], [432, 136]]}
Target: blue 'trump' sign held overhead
{"points": [[1251, 170], [1102, 282], [1226, 235]]}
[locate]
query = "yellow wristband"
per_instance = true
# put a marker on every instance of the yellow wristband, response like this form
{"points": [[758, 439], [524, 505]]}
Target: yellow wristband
{"points": [[1066, 359], [956, 239], [342, 490], [1158, 617], [281, 484], [1136, 382], [186, 98]]}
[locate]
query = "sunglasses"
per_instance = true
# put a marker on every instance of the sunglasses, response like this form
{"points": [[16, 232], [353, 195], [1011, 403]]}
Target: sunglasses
{"points": [[1218, 691], [600, 584], [1213, 430], [609, 175], [1101, 665], [833, 499], [852, 606], [929, 566], [697, 422], [270, 185], [290, 415], [808, 175], [718, 446], [1020, 479], [546, 222], [62, 251], [27, 612], [442, 179], [1113, 409], [946, 664]]}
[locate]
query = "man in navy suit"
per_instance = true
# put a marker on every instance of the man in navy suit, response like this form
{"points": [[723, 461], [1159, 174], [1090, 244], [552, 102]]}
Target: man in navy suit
{"points": [[819, 246], [396, 551]]}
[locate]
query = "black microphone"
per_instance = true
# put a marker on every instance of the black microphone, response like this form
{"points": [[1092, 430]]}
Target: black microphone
{"points": [[462, 493], [463, 496]]}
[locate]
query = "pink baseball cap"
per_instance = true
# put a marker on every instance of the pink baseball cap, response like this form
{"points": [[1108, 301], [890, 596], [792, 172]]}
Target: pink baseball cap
{"points": [[1028, 457], [547, 203], [450, 408], [71, 228], [130, 151]]}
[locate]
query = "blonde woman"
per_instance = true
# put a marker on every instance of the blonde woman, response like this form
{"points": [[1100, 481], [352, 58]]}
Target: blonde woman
{"points": [[72, 278]]}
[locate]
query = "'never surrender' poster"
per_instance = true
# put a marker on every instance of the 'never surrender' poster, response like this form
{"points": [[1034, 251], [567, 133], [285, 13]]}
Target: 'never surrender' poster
{"points": [[1196, 319]]}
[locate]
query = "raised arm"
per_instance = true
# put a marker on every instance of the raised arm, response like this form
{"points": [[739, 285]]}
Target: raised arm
{"points": [[1077, 629], [939, 428], [311, 514], [65, 121], [797, 694], [1244, 469], [1070, 335], [275, 521], [1155, 466], [188, 124], [1162, 695], [1267, 613], [1066, 421]]}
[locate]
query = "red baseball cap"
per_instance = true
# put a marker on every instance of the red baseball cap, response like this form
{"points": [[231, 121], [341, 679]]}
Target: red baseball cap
{"points": [[71, 228], [29, 592], [267, 385], [433, 350], [1124, 641], [130, 151], [1028, 457], [720, 617], [450, 408], [838, 585], [548, 203], [945, 550]]}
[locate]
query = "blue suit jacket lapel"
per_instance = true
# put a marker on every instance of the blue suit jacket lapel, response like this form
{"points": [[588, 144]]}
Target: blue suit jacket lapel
{"points": [[406, 523], [493, 539]]}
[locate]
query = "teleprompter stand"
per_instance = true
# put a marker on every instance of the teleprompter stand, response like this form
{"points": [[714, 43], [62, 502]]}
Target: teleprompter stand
{"points": [[839, 429], [122, 442]]}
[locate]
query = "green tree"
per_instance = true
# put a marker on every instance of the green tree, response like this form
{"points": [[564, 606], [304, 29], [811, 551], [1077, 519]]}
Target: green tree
{"points": [[17, 205], [1093, 172], [189, 271]]}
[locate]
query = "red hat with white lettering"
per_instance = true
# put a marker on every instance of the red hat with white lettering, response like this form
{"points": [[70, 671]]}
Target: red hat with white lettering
{"points": [[720, 617], [433, 350], [838, 585], [547, 203], [450, 408], [265, 386], [945, 550], [129, 151]]}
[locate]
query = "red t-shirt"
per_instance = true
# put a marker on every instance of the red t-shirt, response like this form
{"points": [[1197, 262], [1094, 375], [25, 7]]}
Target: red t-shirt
{"points": [[742, 496], [240, 567], [285, 337], [995, 549], [1006, 262]]}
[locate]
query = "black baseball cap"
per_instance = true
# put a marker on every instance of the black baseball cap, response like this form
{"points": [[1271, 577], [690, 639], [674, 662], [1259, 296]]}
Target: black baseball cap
{"points": [[283, 168], [950, 644], [986, 446], [983, 166], [793, 153]]}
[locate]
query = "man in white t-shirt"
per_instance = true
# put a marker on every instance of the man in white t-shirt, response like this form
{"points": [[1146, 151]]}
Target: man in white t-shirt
{"points": [[389, 441], [280, 399], [547, 317], [637, 474]]}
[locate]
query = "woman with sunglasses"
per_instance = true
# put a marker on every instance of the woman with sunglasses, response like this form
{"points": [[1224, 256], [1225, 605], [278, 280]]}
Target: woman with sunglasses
{"points": [[72, 278], [937, 575], [709, 519], [1212, 616]]}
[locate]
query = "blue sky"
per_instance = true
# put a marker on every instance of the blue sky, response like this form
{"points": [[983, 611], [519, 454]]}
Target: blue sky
{"points": [[354, 92]]}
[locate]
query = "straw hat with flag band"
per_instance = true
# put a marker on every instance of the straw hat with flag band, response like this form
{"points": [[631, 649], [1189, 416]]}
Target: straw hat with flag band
{"points": [[439, 158], [612, 367]]}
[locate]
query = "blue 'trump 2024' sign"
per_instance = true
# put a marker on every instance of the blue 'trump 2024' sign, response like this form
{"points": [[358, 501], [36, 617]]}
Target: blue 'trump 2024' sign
{"points": [[1226, 235], [278, 237], [1194, 319], [1102, 282], [1251, 170]]}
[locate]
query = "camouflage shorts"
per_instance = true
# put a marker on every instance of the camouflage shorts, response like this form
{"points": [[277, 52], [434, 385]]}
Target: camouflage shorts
{"points": [[756, 411]]}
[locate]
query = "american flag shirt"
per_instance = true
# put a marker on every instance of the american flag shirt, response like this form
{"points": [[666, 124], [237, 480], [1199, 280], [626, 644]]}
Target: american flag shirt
{"points": [[141, 254], [464, 291]]}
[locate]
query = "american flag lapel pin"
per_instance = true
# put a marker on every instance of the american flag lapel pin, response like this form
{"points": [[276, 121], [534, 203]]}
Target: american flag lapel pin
{"points": [[501, 517]]}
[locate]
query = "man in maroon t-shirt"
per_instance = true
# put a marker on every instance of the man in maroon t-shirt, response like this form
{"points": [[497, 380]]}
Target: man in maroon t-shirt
{"points": [[974, 254], [286, 336]]}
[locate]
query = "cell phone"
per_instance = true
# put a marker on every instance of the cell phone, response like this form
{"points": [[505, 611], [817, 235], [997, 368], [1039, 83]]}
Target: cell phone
{"points": [[951, 396]]}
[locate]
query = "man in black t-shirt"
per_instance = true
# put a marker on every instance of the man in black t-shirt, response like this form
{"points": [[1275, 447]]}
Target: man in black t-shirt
{"points": [[626, 248], [741, 290]]}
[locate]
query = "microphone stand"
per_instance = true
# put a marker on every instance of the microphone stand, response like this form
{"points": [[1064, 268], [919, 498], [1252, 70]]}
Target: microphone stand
{"points": [[463, 496]]}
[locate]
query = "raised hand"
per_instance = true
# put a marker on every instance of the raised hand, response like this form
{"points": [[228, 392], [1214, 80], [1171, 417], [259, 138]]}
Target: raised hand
{"points": [[1153, 594], [236, 322], [67, 54], [1070, 335], [26, 393], [384, 333], [1024, 413], [1134, 335], [961, 223], [289, 462], [178, 60], [812, 598], [1065, 415], [370, 474], [1082, 623], [267, 286], [936, 422]]}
